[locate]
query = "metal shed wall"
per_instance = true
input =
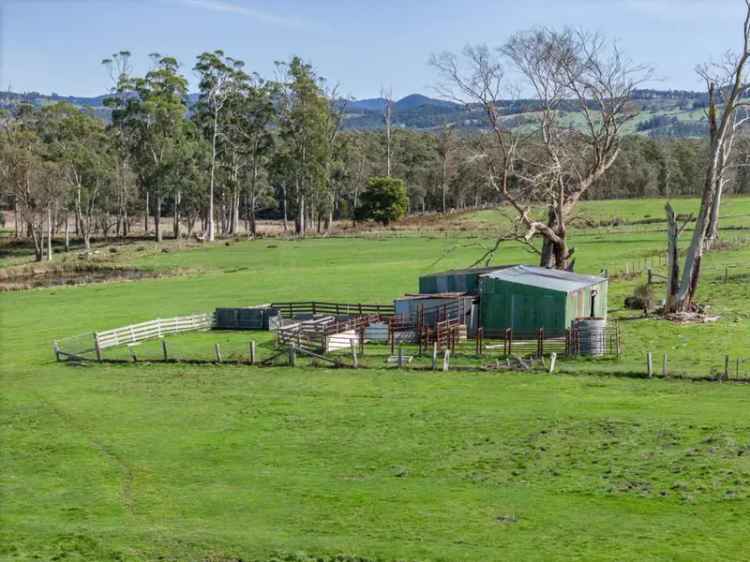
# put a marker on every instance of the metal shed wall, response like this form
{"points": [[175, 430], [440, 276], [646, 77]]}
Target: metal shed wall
{"points": [[522, 308], [579, 303], [456, 281], [525, 308]]}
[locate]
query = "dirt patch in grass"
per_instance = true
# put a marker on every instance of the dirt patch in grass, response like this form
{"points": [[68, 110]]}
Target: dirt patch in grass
{"points": [[55, 275]]}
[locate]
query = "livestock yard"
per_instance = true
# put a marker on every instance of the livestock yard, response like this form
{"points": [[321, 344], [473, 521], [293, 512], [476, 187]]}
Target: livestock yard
{"points": [[402, 443]]}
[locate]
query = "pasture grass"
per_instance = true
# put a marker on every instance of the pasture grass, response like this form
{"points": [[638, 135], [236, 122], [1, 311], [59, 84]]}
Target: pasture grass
{"points": [[206, 462]]}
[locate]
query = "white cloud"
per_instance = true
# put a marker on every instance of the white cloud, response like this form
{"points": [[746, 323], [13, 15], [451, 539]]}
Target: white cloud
{"points": [[241, 10]]}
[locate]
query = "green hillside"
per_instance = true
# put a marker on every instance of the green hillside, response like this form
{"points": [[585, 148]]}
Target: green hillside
{"points": [[662, 113]]}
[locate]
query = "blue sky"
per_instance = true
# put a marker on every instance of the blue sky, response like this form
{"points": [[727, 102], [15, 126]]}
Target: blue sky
{"points": [[57, 45]]}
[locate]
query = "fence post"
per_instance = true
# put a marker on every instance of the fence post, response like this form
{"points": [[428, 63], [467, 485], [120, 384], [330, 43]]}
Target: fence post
{"points": [[552, 361], [446, 360], [217, 350], [617, 338], [541, 342], [726, 367], [665, 366], [97, 347], [252, 352], [292, 356], [434, 356], [164, 349], [132, 354], [353, 345], [650, 364], [400, 356]]}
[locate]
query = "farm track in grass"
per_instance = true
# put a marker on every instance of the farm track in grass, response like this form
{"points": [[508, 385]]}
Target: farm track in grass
{"points": [[206, 462]]}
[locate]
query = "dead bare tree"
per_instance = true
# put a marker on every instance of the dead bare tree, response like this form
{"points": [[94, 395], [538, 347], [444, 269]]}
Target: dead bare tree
{"points": [[728, 111], [387, 96], [552, 163]]}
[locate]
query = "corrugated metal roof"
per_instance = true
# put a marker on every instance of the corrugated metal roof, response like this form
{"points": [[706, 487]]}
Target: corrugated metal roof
{"points": [[554, 279], [477, 270]]}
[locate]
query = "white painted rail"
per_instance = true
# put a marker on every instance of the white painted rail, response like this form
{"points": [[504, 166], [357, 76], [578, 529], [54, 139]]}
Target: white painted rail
{"points": [[152, 329]]}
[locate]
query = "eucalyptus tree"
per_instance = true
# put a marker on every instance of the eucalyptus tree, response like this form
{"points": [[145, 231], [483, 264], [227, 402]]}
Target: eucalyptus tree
{"points": [[304, 130], [182, 179], [360, 165], [33, 177], [120, 70], [255, 117], [418, 164], [221, 80], [388, 105], [247, 142], [154, 119], [334, 117], [446, 146], [78, 143], [188, 181]]}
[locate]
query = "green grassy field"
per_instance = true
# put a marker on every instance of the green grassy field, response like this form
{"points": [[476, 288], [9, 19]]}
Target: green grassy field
{"points": [[189, 462]]}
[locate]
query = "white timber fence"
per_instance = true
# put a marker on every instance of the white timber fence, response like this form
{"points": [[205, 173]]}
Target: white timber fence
{"points": [[134, 333]]}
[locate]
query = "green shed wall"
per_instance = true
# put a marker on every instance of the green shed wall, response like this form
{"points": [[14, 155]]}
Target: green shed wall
{"points": [[525, 309], [522, 308]]}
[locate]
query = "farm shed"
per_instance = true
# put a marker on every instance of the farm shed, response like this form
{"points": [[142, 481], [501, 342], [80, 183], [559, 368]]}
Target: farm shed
{"points": [[456, 281], [525, 298]]}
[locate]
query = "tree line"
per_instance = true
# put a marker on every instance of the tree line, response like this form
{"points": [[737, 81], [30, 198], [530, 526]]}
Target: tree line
{"points": [[250, 148]]}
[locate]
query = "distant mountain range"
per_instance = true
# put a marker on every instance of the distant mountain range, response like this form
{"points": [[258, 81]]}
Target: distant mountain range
{"points": [[664, 113], [412, 101]]}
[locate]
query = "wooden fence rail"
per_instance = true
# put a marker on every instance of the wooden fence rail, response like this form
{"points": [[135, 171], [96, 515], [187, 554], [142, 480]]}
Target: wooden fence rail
{"points": [[290, 309], [325, 334]]}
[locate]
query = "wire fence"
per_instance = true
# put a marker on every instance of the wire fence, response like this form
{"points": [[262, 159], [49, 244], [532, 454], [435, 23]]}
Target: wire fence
{"points": [[655, 265], [491, 356], [665, 365], [174, 349]]}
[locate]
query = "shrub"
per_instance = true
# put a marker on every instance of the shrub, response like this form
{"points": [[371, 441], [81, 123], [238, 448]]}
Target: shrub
{"points": [[383, 201]]}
